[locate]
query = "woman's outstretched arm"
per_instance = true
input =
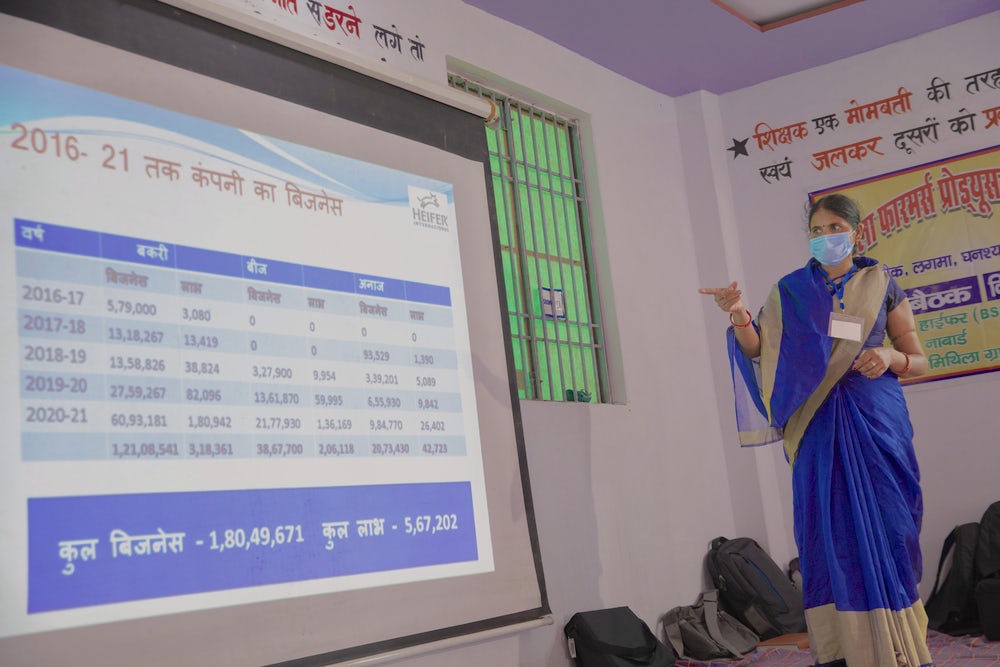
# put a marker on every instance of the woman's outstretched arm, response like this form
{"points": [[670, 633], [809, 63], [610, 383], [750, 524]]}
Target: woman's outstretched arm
{"points": [[730, 300]]}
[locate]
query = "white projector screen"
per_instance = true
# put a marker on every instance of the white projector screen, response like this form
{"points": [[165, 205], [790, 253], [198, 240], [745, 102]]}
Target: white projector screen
{"points": [[254, 390]]}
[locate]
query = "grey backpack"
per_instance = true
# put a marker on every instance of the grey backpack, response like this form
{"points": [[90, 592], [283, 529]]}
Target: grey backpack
{"points": [[702, 631]]}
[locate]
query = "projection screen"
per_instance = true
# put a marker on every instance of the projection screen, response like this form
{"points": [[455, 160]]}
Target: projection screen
{"points": [[256, 397]]}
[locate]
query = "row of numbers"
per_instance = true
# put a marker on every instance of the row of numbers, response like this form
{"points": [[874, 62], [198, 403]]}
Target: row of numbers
{"points": [[48, 385], [217, 450], [117, 419]]}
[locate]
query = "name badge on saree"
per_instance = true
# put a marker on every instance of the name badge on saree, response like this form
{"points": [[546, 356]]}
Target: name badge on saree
{"points": [[846, 327]]}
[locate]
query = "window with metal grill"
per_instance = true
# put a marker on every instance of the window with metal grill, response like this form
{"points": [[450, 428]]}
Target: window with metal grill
{"points": [[541, 202]]}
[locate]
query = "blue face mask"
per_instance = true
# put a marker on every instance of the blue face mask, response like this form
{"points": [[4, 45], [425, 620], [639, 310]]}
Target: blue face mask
{"points": [[831, 249]]}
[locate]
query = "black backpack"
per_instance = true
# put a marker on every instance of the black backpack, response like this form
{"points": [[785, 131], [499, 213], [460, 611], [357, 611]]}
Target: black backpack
{"points": [[987, 591], [614, 638], [754, 589], [951, 606]]}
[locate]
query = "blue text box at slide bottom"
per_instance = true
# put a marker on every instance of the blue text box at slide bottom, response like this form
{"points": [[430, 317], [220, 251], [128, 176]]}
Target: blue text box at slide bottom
{"points": [[93, 550]]}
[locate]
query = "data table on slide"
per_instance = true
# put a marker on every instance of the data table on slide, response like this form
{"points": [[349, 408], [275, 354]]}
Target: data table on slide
{"points": [[145, 350]]}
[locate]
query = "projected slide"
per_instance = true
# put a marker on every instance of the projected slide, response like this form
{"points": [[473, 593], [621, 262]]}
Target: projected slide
{"points": [[235, 368]]}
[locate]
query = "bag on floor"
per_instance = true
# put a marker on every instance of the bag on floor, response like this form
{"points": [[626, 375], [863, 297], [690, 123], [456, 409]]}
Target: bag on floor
{"points": [[754, 589], [702, 631], [987, 592], [614, 638], [951, 606]]}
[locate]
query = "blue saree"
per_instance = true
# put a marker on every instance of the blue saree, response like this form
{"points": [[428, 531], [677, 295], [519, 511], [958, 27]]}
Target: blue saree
{"points": [[855, 483]]}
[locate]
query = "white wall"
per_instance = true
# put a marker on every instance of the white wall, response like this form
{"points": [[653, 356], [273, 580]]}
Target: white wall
{"points": [[627, 496]]}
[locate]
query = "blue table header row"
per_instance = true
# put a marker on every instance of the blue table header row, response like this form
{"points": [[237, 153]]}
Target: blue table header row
{"points": [[74, 241]]}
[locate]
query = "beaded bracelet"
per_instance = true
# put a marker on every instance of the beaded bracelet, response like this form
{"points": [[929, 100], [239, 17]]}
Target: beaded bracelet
{"points": [[905, 368], [750, 321]]}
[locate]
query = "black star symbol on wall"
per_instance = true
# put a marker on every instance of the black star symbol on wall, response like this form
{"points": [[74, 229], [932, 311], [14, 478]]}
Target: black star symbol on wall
{"points": [[739, 147]]}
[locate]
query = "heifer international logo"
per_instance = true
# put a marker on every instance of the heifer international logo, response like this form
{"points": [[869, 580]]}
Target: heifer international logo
{"points": [[429, 209]]}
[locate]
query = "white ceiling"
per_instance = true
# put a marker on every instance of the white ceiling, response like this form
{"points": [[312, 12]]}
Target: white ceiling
{"points": [[680, 46]]}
